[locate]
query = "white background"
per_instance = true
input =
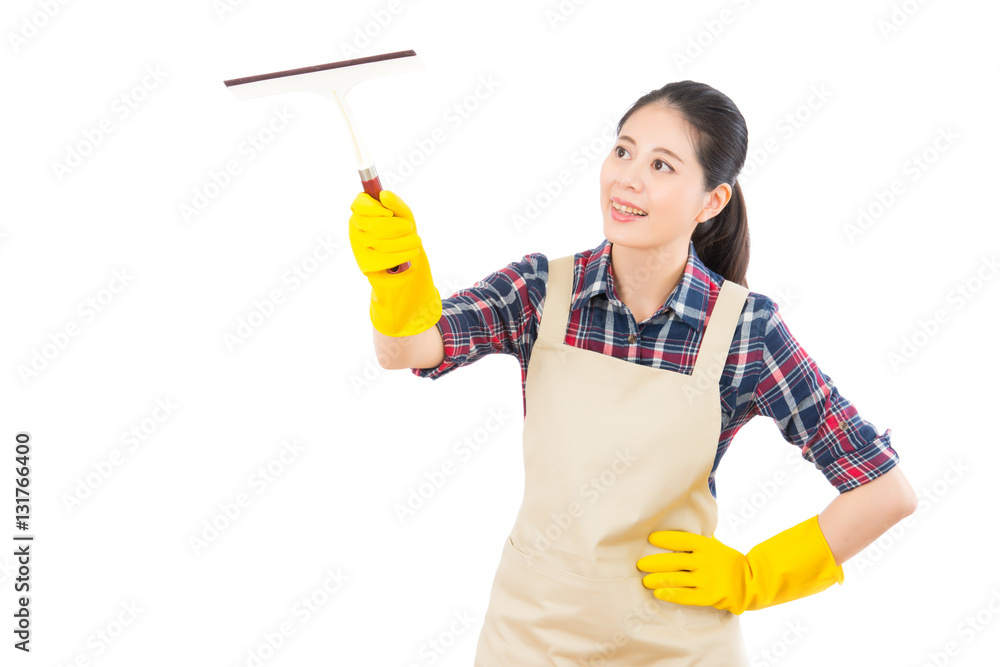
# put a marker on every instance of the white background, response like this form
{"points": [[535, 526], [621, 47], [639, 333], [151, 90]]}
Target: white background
{"points": [[894, 75]]}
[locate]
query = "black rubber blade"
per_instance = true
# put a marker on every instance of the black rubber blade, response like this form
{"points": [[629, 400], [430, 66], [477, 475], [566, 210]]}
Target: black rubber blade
{"points": [[319, 68]]}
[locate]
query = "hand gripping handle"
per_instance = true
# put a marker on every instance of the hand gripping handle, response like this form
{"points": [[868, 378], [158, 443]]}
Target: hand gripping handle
{"points": [[372, 186]]}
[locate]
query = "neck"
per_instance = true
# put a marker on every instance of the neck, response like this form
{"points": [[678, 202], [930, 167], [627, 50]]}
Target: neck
{"points": [[646, 277]]}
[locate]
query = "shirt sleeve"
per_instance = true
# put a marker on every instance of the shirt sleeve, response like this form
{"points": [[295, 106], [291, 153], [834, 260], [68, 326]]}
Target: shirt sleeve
{"points": [[496, 315], [813, 415]]}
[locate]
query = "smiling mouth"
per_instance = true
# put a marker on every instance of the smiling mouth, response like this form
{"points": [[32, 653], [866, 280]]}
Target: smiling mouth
{"points": [[627, 210]]}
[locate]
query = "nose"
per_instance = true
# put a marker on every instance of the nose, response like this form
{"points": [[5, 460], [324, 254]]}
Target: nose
{"points": [[629, 176]]}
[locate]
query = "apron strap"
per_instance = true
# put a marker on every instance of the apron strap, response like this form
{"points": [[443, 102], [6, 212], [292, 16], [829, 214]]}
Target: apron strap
{"points": [[555, 307], [719, 333]]}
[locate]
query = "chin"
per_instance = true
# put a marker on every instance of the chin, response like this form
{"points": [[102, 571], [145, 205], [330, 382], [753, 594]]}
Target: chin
{"points": [[614, 233]]}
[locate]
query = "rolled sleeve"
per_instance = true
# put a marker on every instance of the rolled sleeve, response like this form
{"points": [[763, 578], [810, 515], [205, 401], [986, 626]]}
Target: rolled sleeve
{"points": [[812, 414], [496, 315], [458, 347], [447, 337], [868, 461]]}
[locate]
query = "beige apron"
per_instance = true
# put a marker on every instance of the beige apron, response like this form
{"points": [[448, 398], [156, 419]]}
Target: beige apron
{"points": [[613, 451]]}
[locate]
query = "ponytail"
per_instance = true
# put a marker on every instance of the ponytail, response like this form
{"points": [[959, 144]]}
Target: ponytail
{"points": [[723, 242]]}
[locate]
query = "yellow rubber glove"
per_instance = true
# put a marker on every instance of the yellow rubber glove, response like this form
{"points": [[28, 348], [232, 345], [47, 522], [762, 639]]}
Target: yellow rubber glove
{"points": [[384, 234], [791, 565]]}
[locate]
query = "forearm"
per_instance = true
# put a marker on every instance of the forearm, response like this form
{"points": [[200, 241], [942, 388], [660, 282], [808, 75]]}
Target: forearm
{"points": [[858, 517], [422, 350]]}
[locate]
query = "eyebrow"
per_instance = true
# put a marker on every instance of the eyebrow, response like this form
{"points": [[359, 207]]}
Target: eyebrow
{"points": [[661, 150]]}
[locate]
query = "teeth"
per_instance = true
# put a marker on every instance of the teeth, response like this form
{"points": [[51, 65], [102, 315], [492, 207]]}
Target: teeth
{"points": [[627, 209]]}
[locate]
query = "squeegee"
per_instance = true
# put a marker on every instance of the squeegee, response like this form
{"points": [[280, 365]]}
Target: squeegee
{"points": [[334, 80]]}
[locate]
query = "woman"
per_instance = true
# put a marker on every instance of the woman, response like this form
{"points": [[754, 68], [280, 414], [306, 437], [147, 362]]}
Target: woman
{"points": [[647, 354]]}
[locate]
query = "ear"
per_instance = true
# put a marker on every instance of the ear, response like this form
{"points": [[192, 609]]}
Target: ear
{"points": [[715, 201]]}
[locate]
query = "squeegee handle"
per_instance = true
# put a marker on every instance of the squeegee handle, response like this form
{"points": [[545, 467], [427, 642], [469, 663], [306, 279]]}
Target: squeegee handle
{"points": [[372, 187]]}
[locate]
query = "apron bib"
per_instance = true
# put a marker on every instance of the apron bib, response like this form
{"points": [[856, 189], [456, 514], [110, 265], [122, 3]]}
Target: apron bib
{"points": [[613, 451]]}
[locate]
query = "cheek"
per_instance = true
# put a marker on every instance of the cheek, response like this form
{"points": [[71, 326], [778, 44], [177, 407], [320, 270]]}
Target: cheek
{"points": [[672, 196]]}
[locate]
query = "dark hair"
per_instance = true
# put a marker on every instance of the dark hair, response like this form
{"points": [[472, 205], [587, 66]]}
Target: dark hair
{"points": [[719, 137]]}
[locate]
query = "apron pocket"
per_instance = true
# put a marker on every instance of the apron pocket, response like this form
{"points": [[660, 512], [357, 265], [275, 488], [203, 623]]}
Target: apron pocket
{"points": [[539, 611], [572, 578], [617, 593]]}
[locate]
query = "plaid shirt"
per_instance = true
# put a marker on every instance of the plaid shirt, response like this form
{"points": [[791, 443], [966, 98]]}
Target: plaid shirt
{"points": [[766, 373]]}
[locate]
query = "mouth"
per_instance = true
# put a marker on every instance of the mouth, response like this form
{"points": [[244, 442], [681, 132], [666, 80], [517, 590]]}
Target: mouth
{"points": [[626, 209]]}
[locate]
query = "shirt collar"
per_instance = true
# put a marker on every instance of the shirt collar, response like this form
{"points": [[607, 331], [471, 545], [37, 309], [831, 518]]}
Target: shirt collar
{"points": [[689, 300]]}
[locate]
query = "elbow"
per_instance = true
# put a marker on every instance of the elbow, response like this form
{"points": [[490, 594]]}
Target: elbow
{"points": [[907, 500], [908, 504], [893, 494]]}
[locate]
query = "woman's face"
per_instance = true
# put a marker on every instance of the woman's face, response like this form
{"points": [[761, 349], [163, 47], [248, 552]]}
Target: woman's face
{"points": [[666, 187]]}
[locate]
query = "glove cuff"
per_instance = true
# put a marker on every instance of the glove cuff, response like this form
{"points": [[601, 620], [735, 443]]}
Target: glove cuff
{"points": [[406, 303], [793, 564]]}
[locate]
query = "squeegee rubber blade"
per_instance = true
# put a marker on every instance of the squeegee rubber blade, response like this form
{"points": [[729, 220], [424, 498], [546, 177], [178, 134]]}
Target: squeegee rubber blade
{"points": [[319, 68]]}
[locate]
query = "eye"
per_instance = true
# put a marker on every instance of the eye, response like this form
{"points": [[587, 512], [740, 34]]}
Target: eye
{"points": [[658, 162], [619, 148]]}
